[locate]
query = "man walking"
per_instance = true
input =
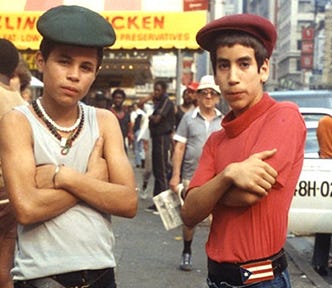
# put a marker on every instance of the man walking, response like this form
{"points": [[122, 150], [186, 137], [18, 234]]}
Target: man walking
{"points": [[193, 130]]}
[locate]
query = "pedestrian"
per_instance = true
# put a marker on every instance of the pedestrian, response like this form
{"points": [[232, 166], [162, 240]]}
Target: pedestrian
{"points": [[187, 103], [122, 114], [144, 136], [71, 170], [136, 119], [22, 77], [322, 243], [161, 125], [9, 98], [193, 130], [248, 170]]}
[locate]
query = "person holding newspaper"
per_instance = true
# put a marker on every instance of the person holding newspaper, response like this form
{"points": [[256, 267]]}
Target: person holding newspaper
{"points": [[193, 130]]}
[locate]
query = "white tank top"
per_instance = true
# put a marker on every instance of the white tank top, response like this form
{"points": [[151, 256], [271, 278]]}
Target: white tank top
{"points": [[79, 239]]}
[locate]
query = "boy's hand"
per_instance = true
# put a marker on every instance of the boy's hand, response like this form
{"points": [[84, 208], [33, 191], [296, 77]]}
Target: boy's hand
{"points": [[44, 176], [254, 174], [97, 166]]}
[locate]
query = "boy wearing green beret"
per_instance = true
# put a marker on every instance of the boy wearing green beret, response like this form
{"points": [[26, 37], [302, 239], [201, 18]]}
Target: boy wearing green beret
{"points": [[67, 180], [248, 171]]}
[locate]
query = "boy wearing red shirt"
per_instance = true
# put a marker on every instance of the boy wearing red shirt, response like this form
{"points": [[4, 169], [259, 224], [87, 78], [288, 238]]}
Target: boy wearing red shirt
{"points": [[248, 171]]}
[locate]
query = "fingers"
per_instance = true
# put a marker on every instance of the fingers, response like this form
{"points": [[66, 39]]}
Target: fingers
{"points": [[98, 148], [264, 154], [173, 184]]}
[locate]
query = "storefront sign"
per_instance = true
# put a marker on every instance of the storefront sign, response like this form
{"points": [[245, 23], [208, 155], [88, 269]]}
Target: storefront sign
{"points": [[134, 30]]}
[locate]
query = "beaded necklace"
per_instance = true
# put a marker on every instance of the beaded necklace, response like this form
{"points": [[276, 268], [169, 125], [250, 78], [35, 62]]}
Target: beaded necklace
{"points": [[65, 143], [58, 127]]}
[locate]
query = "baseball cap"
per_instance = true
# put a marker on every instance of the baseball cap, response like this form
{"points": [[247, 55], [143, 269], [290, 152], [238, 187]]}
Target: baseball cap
{"points": [[193, 86]]}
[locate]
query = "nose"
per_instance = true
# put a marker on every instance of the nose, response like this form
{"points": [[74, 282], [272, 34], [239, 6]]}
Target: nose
{"points": [[73, 73], [233, 76]]}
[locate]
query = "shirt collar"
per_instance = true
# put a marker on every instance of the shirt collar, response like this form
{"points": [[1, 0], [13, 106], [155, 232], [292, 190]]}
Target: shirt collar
{"points": [[197, 112], [236, 125]]}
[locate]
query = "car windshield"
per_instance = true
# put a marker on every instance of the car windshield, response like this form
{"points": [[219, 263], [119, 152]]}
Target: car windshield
{"points": [[308, 98]]}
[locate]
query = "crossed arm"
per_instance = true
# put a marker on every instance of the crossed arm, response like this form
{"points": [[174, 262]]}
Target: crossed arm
{"points": [[106, 185], [239, 184]]}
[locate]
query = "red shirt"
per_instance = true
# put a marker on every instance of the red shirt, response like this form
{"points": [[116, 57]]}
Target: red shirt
{"points": [[258, 231]]}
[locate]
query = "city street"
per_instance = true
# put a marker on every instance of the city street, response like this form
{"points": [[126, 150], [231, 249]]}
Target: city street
{"points": [[148, 256]]}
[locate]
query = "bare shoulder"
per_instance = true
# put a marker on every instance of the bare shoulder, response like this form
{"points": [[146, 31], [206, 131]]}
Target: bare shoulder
{"points": [[108, 123], [15, 128], [13, 119], [105, 116]]}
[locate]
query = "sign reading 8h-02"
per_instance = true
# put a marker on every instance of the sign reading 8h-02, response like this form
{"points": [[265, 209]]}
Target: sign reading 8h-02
{"points": [[311, 208]]}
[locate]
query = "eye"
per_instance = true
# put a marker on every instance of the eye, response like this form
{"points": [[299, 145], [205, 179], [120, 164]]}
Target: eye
{"points": [[87, 68], [223, 65], [244, 64]]}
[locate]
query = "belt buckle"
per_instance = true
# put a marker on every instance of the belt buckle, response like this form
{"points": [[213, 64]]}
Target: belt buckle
{"points": [[256, 272]]}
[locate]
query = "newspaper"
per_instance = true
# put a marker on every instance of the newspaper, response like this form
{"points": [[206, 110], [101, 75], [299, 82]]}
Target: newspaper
{"points": [[168, 205]]}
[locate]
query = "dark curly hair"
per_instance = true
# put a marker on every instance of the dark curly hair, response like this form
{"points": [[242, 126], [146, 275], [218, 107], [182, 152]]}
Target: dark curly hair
{"points": [[8, 57]]}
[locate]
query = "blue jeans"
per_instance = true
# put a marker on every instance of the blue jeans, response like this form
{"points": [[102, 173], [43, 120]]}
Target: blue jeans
{"points": [[139, 150], [281, 281]]}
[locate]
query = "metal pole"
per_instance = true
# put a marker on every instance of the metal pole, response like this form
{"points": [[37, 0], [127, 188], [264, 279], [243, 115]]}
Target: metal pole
{"points": [[179, 63]]}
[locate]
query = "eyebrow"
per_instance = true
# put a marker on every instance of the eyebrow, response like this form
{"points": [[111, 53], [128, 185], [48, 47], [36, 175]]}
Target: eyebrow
{"points": [[68, 57], [244, 58]]}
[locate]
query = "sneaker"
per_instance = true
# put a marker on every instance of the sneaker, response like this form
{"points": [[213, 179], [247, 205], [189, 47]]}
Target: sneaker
{"points": [[143, 193], [156, 212], [322, 271], [151, 208], [186, 264]]}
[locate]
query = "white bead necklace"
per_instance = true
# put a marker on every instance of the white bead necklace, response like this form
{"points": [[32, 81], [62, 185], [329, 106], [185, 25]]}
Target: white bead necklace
{"points": [[58, 127]]}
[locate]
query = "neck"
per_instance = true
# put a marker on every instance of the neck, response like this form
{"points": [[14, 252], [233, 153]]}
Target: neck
{"points": [[4, 79], [207, 112], [187, 105], [117, 108]]}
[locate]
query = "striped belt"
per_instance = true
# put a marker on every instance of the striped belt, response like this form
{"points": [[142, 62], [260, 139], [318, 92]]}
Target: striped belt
{"points": [[249, 272]]}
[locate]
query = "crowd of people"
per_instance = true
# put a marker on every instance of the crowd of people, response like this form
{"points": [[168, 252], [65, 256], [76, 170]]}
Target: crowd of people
{"points": [[236, 169]]}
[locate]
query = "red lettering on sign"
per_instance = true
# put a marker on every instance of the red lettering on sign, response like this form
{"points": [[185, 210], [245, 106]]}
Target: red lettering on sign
{"points": [[135, 22], [18, 23]]}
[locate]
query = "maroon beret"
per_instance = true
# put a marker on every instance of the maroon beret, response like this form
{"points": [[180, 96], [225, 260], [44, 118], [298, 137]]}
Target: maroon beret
{"points": [[257, 26]]}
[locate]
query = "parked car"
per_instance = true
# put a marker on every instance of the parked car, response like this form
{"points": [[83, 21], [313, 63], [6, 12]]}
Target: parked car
{"points": [[311, 208], [305, 98]]}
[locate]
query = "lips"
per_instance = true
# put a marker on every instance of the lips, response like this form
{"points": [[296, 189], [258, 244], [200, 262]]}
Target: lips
{"points": [[69, 90], [235, 94]]}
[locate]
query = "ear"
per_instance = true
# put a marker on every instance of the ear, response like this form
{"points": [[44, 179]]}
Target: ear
{"points": [[216, 80], [98, 70], [40, 62], [265, 71]]}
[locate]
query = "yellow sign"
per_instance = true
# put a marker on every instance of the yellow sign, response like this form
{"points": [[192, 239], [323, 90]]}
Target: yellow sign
{"points": [[134, 30]]}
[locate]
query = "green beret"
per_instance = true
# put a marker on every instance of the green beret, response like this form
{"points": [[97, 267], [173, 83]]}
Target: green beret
{"points": [[76, 25]]}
